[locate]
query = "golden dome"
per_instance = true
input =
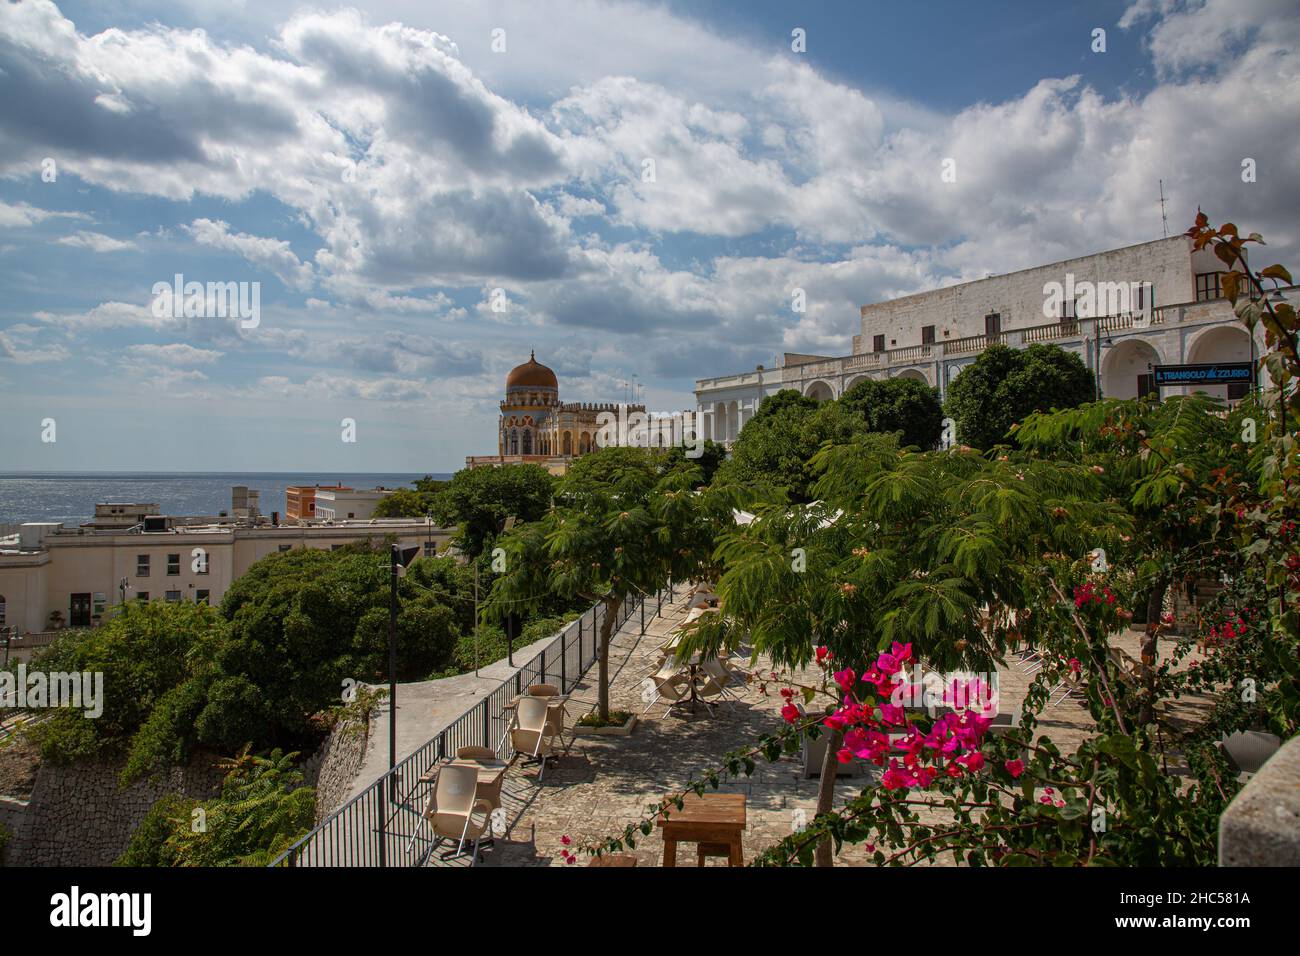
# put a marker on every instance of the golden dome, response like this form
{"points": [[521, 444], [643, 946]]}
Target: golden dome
{"points": [[532, 374]]}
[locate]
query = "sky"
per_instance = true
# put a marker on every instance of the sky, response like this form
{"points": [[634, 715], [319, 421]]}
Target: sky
{"points": [[422, 192]]}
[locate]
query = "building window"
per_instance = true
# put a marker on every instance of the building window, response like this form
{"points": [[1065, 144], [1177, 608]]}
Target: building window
{"points": [[201, 596], [927, 335], [1147, 386], [878, 343], [173, 565], [142, 596], [1068, 311], [2, 610], [142, 565], [430, 549], [528, 441], [1238, 390], [173, 595], [98, 603], [993, 324], [286, 547], [1207, 286]]}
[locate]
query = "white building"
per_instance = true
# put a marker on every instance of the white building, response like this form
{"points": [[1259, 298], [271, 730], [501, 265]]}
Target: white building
{"points": [[341, 504], [76, 573], [1171, 314]]}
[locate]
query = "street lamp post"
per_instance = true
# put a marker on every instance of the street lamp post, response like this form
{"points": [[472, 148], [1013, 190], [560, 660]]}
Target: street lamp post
{"points": [[399, 558]]}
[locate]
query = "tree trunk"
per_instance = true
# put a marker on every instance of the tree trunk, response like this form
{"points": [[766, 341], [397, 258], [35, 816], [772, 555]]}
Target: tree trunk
{"points": [[825, 853], [606, 630], [1155, 608]]}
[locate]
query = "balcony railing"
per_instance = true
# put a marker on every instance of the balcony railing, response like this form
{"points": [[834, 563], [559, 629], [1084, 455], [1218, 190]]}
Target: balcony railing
{"points": [[379, 826]]}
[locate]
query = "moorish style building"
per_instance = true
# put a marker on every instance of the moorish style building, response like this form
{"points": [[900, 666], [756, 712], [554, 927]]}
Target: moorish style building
{"points": [[537, 428]]}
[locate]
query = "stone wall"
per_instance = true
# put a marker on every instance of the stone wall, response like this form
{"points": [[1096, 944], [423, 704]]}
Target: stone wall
{"points": [[1261, 827], [335, 764], [79, 815]]}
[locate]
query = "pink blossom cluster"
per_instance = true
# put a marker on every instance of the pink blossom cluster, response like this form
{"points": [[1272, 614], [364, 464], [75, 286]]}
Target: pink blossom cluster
{"points": [[881, 733]]}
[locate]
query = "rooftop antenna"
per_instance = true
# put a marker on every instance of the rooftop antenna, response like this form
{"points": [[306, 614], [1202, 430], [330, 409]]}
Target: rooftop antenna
{"points": [[1164, 220]]}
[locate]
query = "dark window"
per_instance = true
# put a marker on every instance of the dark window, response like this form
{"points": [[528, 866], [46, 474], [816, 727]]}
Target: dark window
{"points": [[878, 343], [1238, 390], [1067, 310], [992, 324], [1207, 286], [927, 335], [173, 595], [142, 595], [1147, 385], [142, 565], [201, 596], [79, 610], [173, 565], [286, 547]]}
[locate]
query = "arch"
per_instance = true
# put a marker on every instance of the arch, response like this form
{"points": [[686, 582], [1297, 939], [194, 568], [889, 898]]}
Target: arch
{"points": [[720, 422], [821, 391], [568, 445], [855, 379], [514, 441], [527, 443], [1126, 369], [914, 373], [584, 443], [1221, 343], [733, 420]]}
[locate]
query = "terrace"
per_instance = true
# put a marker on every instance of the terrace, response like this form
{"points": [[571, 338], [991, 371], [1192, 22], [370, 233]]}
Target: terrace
{"points": [[597, 785]]}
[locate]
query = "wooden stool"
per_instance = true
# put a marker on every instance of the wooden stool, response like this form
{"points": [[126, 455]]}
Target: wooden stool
{"points": [[711, 849]]}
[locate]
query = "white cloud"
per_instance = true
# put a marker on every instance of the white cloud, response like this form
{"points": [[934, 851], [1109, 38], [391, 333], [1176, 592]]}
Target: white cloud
{"points": [[20, 214], [274, 255], [175, 353], [95, 242]]}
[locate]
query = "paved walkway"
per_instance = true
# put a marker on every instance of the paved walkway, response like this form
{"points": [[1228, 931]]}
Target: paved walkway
{"points": [[600, 784], [425, 708]]}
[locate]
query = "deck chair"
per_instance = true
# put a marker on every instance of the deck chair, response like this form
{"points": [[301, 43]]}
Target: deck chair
{"points": [[544, 690], [530, 736], [714, 686], [475, 753], [670, 684], [452, 809]]}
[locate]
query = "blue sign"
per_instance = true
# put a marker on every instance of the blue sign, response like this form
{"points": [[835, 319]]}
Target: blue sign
{"points": [[1215, 373]]}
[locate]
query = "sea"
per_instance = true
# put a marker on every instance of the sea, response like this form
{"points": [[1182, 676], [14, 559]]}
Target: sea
{"points": [[70, 497]]}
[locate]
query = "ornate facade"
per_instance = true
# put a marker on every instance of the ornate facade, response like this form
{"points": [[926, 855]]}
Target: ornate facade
{"points": [[536, 427]]}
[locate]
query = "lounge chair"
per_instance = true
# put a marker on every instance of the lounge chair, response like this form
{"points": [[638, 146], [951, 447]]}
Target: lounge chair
{"points": [[531, 735], [452, 809]]}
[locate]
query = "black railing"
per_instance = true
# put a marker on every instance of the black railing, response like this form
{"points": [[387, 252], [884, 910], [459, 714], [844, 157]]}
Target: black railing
{"points": [[375, 828]]}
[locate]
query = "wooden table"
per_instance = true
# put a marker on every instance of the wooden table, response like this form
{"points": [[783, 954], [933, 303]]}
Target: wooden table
{"points": [[613, 859], [714, 821]]}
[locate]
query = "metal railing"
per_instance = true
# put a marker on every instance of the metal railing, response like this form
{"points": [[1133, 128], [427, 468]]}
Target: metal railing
{"points": [[376, 827]]}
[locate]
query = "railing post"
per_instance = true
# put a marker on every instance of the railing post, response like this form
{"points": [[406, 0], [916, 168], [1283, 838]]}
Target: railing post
{"points": [[487, 722], [643, 617], [383, 825], [564, 661]]}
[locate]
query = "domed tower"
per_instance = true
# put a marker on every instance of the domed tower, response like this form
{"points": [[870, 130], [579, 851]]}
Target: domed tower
{"points": [[527, 413]]}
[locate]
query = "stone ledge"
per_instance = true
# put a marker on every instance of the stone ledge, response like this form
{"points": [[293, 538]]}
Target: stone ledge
{"points": [[1261, 827]]}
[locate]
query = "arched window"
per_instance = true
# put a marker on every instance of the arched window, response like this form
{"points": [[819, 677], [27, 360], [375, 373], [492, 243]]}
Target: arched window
{"points": [[568, 444], [514, 441], [528, 441]]}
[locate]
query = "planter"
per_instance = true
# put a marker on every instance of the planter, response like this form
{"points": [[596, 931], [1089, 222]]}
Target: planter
{"points": [[614, 730], [1248, 750]]}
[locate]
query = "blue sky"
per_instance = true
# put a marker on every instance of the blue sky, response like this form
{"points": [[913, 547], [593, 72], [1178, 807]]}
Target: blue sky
{"points": [[381, 171]]}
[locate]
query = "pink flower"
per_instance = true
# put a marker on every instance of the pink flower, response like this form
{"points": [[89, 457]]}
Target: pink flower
{"points": [[565, 840], [790, 713], [844, 755], [846, 679], [1015, 768], [823, 655]]}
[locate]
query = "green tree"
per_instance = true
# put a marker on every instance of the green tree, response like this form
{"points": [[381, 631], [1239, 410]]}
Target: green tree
{"points": [[776, 445], [899, 405], [1004, 385], [414, 502], [617, 530], [261, 811], [480, 500], [712, 455]]}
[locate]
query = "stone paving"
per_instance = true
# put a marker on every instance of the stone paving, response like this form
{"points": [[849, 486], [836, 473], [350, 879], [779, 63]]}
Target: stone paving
{"points": [[600, 784]]}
